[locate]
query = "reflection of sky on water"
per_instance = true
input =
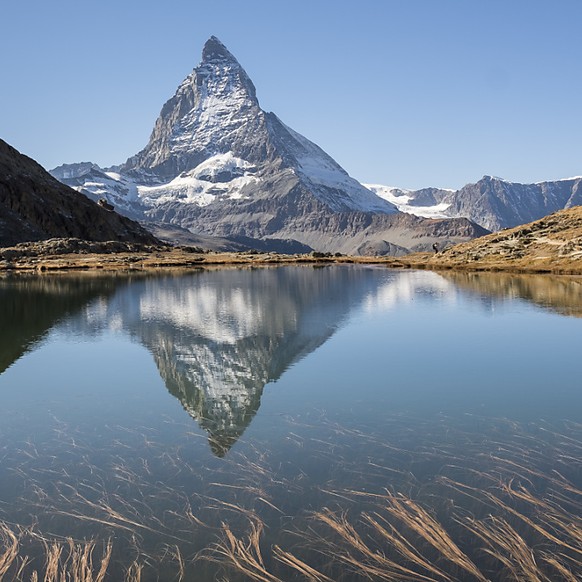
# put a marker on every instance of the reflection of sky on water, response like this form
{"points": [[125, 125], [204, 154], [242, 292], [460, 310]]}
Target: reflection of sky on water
{"points": [[405, 289], [338, 337], [272, 391]]}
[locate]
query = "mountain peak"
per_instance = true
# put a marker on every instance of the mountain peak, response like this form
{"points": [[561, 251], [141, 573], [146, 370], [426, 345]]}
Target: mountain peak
{"points": [[214, 111], [222, 74], [214, 50], [488, 178], [219, 165]]}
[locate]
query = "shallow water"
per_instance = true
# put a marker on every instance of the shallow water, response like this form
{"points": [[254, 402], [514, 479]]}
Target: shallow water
{"points": [[164, 412]]}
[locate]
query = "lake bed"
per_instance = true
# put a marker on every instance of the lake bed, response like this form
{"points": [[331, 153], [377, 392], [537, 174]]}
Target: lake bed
{"points": [[341, 422]]}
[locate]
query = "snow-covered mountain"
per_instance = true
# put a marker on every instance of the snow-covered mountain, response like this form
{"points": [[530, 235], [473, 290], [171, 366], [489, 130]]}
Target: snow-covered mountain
{"points": [[217, 164], [424, 203], [492, 202]]}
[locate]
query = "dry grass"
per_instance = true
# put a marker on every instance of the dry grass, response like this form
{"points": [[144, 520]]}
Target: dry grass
{"points": [[243, 554], [496, 517], [449, 505], [170, 259], [552, 244], [66, 560], [10, 549]]}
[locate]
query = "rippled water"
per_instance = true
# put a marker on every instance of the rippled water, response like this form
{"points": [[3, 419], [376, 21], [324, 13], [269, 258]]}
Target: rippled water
{"points": [[175, 414]]}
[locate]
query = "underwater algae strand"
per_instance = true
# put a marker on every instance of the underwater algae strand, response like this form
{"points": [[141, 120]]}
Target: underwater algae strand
{"points": [[500, 504], [326, 460]]}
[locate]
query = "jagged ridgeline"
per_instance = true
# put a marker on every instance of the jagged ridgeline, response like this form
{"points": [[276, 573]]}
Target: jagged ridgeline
{"points": [[218, 165], [492, 202]]}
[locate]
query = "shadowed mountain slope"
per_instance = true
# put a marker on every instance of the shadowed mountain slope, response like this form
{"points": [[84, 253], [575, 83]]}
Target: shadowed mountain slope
{"points": [[35, 206]]}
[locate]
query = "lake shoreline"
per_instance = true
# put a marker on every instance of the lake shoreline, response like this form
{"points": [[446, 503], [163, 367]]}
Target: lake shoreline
{"points": [[551, 245], [16, 261]]}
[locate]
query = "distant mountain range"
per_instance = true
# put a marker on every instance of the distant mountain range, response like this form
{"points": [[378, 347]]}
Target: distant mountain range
{"points": [[35, 206], [218, 165], [493, 203]]}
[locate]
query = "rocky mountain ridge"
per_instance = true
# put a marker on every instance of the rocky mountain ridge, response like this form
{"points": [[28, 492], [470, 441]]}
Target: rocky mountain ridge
{"points": [[491, 202], [218, 165]]}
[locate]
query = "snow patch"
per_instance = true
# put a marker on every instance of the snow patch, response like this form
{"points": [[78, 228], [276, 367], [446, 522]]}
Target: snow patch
{"points": [[220, 176], [187, 189], [219, 164], [402, 198], [321, 170], [572, 179], [223, 175]]}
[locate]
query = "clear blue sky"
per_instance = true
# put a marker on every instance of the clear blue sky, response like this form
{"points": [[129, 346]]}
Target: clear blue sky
{"points": [[407, 93]]}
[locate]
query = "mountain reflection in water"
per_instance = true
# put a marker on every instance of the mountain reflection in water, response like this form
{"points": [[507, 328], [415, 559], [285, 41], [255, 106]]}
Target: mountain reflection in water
{"points": [[31, 306], [218, 337], [448, 401]]}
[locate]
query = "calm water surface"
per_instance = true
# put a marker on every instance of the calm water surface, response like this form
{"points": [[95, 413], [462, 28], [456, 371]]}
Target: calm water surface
{"points": [[175, 415]]}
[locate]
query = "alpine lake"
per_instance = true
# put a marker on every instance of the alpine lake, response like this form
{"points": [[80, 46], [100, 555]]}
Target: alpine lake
{"points": [[291, 423]]}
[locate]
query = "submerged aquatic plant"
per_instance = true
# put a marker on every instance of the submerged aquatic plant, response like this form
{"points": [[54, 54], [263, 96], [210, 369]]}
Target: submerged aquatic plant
{"points": [[498, 505]]}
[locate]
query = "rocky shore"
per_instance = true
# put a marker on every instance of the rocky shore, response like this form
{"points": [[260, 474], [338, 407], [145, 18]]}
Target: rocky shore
{"points": [[550, 245], [71, 254]]}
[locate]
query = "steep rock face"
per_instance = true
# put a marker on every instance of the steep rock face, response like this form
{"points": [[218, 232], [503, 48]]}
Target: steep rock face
{"points": [[36, 206], [214, 111], [493, 203], [217, 164]]}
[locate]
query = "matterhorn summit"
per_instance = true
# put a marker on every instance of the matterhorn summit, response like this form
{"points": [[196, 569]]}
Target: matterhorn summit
{"points": [[214, 112], [215, 120], [217, 165]]}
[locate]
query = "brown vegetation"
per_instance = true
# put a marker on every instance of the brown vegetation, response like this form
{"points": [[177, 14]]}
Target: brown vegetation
{"points": [[550, 245], [503, 504], [73, 254]]}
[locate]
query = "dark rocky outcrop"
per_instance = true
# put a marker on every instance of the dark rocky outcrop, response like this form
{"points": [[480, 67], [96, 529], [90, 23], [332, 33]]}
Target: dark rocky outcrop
{"points": [[35, 206]]}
